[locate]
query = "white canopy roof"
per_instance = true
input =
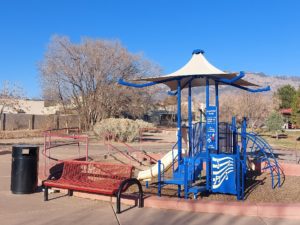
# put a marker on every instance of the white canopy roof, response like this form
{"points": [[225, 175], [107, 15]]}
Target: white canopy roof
{"points": [[198, 65]]}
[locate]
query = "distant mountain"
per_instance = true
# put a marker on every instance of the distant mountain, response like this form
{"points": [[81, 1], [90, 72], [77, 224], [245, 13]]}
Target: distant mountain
{"points": [[260, 79], [275, 82]]}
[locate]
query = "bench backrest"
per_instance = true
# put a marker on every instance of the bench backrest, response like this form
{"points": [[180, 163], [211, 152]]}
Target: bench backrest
{"points": [[93, 171]]}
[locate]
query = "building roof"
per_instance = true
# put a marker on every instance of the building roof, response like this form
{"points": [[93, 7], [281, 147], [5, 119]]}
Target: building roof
{"points": [[286, 111]]}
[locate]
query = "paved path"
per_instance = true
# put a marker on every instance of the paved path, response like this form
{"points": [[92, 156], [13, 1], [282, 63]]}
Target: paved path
{"points": [[31, 209]]}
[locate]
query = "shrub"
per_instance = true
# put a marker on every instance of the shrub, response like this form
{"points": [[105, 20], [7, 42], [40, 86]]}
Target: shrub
{"points": [[274, 121], [121, 129]]}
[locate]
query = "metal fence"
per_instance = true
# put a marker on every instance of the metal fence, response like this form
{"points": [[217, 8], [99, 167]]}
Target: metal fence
{"points": [[225, 138]]}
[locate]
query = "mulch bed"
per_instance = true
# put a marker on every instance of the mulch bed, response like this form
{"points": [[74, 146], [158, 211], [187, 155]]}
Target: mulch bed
{"points": [[258, 189]]}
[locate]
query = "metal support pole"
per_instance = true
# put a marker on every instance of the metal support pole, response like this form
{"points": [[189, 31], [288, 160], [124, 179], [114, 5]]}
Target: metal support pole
{"points": [[208, 186], [179, 133], [201, 131], [45, 154], [159, 179], [207, 93], [185, 162], [217, 114], [244, 130], [244, 156], [190, 117], [239, 176], [239, 162], [234, 135]]}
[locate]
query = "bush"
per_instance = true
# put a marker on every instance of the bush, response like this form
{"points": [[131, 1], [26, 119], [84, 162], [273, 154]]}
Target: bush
{"points": [[121, 129], [274, 121]]}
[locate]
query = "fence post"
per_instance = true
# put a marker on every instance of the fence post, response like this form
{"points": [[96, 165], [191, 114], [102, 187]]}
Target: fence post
{"points": [[79, 122], [2, 121], [31, 122], [56, 121]]}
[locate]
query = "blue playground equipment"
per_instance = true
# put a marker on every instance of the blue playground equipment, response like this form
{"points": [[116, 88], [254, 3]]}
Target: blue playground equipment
{"points": [[222, 148]]}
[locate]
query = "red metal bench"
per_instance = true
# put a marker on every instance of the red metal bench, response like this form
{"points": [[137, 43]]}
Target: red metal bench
{"points": [[95, 177]]}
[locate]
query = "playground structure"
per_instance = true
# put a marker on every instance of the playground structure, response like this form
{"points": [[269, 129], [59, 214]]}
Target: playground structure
{"points": [[223, 148]]}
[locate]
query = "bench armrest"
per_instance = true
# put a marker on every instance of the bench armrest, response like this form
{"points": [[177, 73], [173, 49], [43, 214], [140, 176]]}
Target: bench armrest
{"points": [[126, 184]]}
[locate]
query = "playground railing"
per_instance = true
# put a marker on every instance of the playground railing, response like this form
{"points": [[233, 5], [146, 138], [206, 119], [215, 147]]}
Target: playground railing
{"points": [[261, 150], [173, 157], [65, 137], [198, 136], [109, 137]]}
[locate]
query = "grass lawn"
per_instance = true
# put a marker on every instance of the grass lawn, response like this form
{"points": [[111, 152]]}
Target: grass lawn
{"points": [[284, 143]]}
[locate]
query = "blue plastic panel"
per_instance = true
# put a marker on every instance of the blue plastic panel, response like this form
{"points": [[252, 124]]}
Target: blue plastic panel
{"points": [[223, 173], [211, 127]]}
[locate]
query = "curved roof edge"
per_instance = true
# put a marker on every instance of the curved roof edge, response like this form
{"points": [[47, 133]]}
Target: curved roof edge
{"points": [[196, 69]]}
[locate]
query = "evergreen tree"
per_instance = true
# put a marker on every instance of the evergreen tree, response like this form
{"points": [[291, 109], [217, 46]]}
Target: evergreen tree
{"points": [[286, 95], [296, 108]]}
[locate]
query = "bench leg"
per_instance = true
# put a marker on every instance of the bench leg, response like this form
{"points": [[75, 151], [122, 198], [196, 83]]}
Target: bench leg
{"points": [[129, 182], [70, 192], [118, 204], [46, 194]]}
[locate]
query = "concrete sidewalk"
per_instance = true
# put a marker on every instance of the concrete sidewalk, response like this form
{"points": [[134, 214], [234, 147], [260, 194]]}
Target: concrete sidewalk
{"points": [[61, 209]]}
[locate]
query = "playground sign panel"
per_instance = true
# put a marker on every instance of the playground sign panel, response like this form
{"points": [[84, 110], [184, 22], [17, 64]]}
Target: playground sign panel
{"points": [[223, 173], [211, 127]]}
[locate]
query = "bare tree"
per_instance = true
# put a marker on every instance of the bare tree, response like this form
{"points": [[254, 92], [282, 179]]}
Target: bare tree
{"points": [[169, 106], [255, 106], [10, 94], [84, 77]]}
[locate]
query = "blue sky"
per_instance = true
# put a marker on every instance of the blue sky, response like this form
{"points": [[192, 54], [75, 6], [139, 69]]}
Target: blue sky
{"points": [[249, 35]]}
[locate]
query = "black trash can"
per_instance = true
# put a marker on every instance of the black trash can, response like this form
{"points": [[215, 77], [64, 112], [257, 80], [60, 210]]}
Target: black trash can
{"points": [[24, 169]]}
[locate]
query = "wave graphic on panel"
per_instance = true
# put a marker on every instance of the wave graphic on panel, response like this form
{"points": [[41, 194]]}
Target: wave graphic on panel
{"points": [[221, 167]]}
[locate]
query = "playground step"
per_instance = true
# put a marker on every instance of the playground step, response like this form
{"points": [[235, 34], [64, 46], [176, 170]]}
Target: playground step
{"points": [[201, 155], [177, 181], [196, 189]]}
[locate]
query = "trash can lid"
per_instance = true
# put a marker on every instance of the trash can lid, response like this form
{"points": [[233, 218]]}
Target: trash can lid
{"points": [[24, 146], [25, 150]]}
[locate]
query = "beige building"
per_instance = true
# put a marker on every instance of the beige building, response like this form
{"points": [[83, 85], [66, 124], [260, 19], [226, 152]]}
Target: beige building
{"points": [[35, 107]]}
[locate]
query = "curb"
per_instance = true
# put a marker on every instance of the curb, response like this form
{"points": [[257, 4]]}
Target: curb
{"points": [[267, 210], [290, 169]]}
